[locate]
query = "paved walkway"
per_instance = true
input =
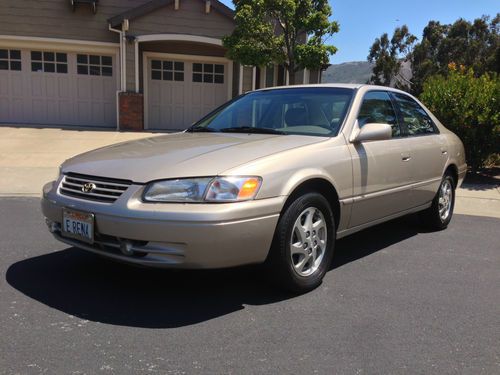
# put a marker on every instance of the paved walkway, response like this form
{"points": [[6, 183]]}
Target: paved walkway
{"points": [[29, 157]]}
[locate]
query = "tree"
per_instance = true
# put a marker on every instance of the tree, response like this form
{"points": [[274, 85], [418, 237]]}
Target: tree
{"points": [[288, 32], [474, 45], [470, 107], [388, 56]]}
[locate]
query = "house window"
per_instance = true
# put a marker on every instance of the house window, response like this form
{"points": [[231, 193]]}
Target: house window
{"points": [[208, 73], [10, 59], [94, 65], [49, 62], [167, 70]]}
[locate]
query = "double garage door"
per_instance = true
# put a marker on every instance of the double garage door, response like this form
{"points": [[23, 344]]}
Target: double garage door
{"points": [[180, 92], [40, 86]]}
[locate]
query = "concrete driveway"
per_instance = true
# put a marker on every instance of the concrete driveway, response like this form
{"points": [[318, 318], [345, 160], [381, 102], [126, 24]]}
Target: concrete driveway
{"points": [[30, 157]]}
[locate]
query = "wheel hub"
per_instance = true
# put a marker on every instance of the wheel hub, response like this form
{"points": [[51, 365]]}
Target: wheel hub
{"points": [[308, 242]]}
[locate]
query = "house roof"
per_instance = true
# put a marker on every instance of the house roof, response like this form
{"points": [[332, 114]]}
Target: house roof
{"points": [[153, 5]]}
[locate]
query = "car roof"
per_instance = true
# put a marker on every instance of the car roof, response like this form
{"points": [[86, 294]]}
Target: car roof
{"points": [[353, 86]]}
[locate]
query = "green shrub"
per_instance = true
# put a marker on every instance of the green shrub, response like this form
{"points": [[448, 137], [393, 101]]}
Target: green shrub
{"points": [[470, 107]]}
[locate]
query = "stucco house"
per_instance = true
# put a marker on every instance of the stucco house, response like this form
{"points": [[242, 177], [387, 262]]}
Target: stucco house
{"points": [[124, 64]]}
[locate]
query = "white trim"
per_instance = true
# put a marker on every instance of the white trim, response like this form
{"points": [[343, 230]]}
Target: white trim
{"points": [[179, 37], [275, 76], [306, 80], [145, 77], [240, 81], [207, 6], [230, 68], [176, 5], [254, 77], [136, 62], [176, 56], [69, 45], [58, 40], [179, 56]]}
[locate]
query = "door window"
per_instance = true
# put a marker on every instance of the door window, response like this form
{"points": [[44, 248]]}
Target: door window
{"points": [[208, 73], [49, 62], [167, 70], [416, 120], [94, 65], [10, 59], [377, 108]]}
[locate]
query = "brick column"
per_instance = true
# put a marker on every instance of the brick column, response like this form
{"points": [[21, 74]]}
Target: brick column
{"points": [[131, 108]]}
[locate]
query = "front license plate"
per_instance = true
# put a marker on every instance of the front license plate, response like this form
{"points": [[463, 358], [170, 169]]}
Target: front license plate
{"points": [[78, 225]]}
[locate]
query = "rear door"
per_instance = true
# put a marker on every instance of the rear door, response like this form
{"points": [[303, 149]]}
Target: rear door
{"points": [[381, 171], [427, 148]]}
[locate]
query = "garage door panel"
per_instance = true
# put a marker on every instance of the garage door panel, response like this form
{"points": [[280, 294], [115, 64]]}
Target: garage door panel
{"points": [[37, 85], [97, 89], [83, 89], [16, 85], [51, 88], [84, 111], [64, 88], [177, 104], [17, 110], [59, 96], [39, 110]]}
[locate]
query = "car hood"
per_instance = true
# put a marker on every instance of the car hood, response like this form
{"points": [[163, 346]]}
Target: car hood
{"points": [[181, 155]]}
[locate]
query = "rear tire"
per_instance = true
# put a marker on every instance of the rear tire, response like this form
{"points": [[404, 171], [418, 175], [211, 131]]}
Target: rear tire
{"points": [[439, 214], [303, 244]]}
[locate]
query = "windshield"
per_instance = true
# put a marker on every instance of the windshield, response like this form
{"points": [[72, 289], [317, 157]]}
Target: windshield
{"points": [[316, 111]]}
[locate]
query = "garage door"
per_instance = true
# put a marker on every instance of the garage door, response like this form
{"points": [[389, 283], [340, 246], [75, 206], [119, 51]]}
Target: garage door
{"points": [[57, 88], [180, 92]]}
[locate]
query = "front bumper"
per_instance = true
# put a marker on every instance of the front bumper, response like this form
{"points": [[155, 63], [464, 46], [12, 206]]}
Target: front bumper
{"points": [[172, 235]]}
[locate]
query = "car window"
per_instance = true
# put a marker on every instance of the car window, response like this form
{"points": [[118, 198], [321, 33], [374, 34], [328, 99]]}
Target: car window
{"points": [[416, 120], [377, 108], [305, 111]]}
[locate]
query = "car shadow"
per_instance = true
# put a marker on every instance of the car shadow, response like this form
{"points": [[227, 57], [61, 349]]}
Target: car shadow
{"points": [[96, 289]]}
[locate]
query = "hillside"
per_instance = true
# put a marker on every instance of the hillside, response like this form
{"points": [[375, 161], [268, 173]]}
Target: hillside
{"points": [[350, 72]]}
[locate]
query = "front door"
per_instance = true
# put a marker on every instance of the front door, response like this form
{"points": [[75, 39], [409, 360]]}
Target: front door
{"points": [[381, 169]]}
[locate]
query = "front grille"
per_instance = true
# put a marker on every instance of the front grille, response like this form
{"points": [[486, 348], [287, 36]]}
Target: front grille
{"points": [[103, 189]]}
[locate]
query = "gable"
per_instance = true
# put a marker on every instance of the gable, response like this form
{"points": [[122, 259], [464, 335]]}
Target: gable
{"points": [[155, 5], [190, 19]]}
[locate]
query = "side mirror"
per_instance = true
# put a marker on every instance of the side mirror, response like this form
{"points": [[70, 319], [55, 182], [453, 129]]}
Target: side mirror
{"points": [[373, 132]]}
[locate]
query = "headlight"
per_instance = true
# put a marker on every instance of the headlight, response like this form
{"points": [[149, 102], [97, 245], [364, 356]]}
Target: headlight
{"points": [[207, 189]]}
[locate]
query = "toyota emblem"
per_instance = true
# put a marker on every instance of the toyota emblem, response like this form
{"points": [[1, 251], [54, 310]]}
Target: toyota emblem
{"points": [[88, 187]]}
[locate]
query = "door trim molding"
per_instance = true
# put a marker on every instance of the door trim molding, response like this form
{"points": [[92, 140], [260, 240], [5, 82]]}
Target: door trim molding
{"points": [[349, 231], [381, 193], [175, 56]]}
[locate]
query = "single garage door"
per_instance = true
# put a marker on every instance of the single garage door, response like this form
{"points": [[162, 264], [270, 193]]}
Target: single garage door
{"points": [[180, 92], [57, 88]]}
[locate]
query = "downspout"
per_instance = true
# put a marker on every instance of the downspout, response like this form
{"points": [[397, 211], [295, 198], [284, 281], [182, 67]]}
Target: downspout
{"points": [[123, 67], [120, 33]]}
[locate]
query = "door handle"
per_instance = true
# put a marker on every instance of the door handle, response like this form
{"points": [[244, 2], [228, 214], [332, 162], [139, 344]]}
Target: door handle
{"points": [[444, 151], [405, 157]]}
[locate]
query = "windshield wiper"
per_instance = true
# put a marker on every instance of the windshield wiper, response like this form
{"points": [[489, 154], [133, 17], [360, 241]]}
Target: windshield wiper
{"points": [[250, 129], [201, 129]]}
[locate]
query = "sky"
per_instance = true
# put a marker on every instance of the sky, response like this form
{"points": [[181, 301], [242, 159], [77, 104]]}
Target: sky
{"points": [[363, 21]]}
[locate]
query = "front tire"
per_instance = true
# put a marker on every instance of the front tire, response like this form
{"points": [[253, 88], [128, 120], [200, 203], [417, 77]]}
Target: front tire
{"points": [[439, 214], [303, 244]]}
